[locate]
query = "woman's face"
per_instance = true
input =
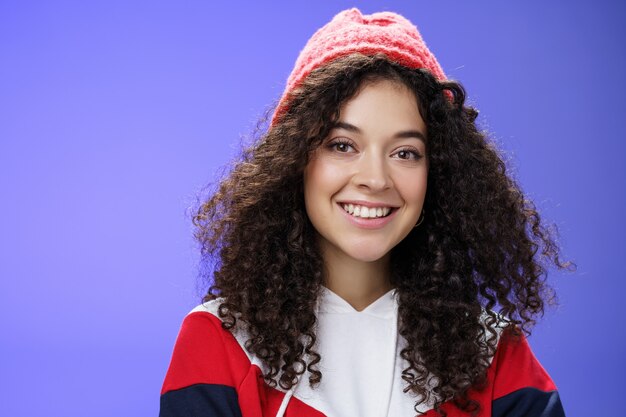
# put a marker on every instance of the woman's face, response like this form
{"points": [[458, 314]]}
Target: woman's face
{"points": [[364, 186]]}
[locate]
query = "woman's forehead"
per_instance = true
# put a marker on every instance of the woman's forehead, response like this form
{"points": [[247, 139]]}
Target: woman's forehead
{"points": [[383, 106]]}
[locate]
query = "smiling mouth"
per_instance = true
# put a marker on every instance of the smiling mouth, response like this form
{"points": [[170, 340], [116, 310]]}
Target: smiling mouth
{"points": [[363, 212]]}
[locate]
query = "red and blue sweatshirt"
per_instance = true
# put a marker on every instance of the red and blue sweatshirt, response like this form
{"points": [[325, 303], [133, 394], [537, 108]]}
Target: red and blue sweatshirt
{"points": [[212, 374]]}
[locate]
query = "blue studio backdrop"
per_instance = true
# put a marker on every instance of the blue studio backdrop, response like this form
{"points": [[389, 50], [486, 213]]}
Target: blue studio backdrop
{"points": [[113, 116]]}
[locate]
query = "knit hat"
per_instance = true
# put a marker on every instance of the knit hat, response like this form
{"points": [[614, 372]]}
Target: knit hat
{"points": [[349, 32]]}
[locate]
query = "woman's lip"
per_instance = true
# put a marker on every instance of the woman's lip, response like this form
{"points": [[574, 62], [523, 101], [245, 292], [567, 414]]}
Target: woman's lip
{"points": [[369, 223], [367, 204]]}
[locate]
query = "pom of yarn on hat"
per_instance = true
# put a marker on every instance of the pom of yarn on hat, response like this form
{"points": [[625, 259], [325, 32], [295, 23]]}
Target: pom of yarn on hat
{"points": [[349, 32]]}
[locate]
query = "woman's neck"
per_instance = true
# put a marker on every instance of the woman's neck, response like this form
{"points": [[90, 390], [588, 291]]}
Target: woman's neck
{"points": [[359, 283]]}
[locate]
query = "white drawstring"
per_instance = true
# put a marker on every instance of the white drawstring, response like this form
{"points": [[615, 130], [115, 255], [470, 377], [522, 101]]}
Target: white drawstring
{"points": [[283, 404]]}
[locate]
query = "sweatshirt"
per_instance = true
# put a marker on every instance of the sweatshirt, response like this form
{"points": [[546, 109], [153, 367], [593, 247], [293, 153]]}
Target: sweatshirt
{"points": [[212, 374]]}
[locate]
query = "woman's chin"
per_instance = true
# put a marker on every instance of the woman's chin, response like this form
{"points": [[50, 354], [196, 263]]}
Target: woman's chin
{"points": [[367, 254]]}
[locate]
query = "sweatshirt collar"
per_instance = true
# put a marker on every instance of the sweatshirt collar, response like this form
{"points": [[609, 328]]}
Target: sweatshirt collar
{"points": [[383, 307]]}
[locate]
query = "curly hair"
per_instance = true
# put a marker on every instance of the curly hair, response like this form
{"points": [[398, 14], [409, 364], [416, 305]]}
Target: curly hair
{"points": [[477, 262]]}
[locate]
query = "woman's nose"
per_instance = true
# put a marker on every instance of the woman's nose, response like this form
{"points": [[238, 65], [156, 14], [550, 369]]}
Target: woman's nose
{"points": [[372, 172]]}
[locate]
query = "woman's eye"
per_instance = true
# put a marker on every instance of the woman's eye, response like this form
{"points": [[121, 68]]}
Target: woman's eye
{"points": [[408, 154], [342, 147]]}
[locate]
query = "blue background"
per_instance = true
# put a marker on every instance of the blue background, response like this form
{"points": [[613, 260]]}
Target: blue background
{"points": [[114, 114]]}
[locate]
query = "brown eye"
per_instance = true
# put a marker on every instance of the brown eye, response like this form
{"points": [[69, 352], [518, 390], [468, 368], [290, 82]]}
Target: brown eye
{"points": [[341, 146], [408, 154]]}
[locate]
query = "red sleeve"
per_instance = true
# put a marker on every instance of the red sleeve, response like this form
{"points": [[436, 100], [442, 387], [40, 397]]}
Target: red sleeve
{"points": [[517, 385], [206, 372], [205, 353], [211, 375], [515, 367]]}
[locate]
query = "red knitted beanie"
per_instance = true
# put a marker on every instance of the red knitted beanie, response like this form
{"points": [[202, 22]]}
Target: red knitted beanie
{"points": [[350, 31]]}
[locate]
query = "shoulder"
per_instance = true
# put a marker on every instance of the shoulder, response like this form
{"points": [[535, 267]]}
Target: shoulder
{"points": [[517, 384], [517, 367], [202, 326], [210, 371], [210, 307], [209, 312], [205, 352], [513, 360], [520, 382]]}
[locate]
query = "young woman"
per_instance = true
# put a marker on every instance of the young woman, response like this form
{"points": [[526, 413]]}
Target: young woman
{"points": [[369, 254]]}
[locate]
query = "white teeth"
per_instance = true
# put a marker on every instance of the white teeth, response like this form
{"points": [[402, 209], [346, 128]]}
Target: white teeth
{"points": [[366, 212]]}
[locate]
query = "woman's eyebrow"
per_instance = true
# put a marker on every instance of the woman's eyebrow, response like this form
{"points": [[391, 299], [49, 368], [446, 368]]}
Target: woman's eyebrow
{"points": [[400, 135]]}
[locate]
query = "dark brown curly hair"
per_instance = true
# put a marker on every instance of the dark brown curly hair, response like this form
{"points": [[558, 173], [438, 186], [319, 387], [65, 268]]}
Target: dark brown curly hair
{"points": [[478, 260]]}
